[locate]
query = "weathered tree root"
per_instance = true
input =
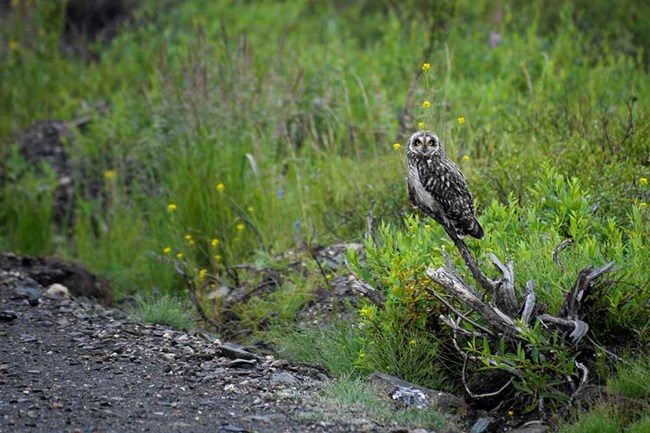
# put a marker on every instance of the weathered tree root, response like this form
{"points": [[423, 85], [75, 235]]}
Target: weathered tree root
{"points": [[505, 316]]}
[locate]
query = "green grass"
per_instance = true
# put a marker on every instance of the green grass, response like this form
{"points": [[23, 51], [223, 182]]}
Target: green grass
{"points": [[294, 108], [632, 379], [348, 391], [163, 310], [335, 345]]}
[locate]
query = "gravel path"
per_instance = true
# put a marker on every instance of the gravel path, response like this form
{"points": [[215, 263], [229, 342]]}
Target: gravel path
{"points": [[73, 366]]}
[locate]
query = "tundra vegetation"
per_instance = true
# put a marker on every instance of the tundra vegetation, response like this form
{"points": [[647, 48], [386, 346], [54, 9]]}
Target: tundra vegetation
{"points": [[217, 144]]}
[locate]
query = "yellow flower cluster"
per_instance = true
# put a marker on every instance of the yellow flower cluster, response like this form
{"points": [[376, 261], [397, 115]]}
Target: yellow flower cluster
{"points": [[189, 239], [461, 120], [202, 274], [426, 104], [643, 181], [179, 255], [426, 66], [109, 174], [465, 158], [167, 250], [396, 146], [171, 207], [221, 187], [214, 242], [240, 226], [420, 125]]}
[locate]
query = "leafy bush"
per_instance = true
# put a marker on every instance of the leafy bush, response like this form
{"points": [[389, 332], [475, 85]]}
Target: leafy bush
{"points": [[164, 310]]}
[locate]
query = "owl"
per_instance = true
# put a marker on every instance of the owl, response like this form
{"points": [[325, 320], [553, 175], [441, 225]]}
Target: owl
{"points": [[437, 186]]}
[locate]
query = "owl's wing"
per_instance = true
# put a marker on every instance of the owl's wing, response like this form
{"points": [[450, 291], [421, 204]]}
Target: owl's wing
{"points": [[447, 186]]}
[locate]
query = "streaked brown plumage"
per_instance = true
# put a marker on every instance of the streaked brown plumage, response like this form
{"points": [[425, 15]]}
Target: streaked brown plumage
{"points": [[437, 186]]}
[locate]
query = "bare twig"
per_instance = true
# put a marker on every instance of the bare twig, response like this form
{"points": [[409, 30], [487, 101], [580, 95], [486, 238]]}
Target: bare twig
{"points": [[459, 314], [191, 291], [529, 302], [375, 296], [556, 252], [487, 394], [492, 314], [487, 284], [507, 287], [370, 221]]}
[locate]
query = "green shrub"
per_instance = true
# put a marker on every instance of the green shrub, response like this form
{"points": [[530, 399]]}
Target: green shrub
{"points": [[163, 310]]}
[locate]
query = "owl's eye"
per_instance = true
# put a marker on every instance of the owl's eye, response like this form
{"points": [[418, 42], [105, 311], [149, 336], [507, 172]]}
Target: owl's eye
{"points": [[418, 142], [431, 142]]}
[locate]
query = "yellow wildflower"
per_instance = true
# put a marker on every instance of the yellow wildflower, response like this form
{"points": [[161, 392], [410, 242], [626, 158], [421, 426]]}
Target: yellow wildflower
{"points": [[217, 257], [202, 274], [510, 413], [426, 66], [14, 46], [420, 125], [412, 342], [167, 250], [189, 239], [426, 104], [221, 187], [214, 242], [643, 181], [461, 120], [240, 226], [250, 209], [171, 207], [179, 255], [643, 204], [427, 226], [362, 355], [488, 250], [465, 158], [109, 174], [396, 146], [328, 277]]}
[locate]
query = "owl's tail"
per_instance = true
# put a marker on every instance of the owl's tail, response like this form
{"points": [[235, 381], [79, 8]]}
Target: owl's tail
{"points": [[474, 229]]}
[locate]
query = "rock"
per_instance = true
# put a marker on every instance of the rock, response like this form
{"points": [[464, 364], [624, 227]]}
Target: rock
{"points": [[284, 378], [531, 427], [242, 363], [230, 350], [481, 425], [57, 292], [444, 402], [411, 397], [8, 316], [25, 292], [46, 271]]}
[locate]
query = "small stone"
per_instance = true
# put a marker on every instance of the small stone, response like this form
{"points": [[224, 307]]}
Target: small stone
{"points": [[531, 427], [25, 292], [231, 351], [245, 363], [284, 378], [8, 316], [57, 292]]}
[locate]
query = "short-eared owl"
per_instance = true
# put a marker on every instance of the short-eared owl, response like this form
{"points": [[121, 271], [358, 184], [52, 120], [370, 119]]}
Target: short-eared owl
{"points": [[438, 187]]}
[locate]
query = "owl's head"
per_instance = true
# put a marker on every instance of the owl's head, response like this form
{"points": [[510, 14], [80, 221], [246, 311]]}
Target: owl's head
{"points": [[425, 143]]}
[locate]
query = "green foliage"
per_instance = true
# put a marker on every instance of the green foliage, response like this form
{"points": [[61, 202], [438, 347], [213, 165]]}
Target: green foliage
{"points": [[163, 310], [633, 379], [604, 419], [355, 392], [335, 345], [601, 420], [27, 203]]}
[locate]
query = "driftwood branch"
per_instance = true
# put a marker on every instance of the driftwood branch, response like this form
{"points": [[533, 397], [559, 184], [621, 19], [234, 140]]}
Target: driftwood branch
{"points": [[486, 283], [492, 314]]}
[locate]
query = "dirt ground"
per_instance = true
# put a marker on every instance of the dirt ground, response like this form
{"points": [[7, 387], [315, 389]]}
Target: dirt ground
{"points": [[76, 366]]}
